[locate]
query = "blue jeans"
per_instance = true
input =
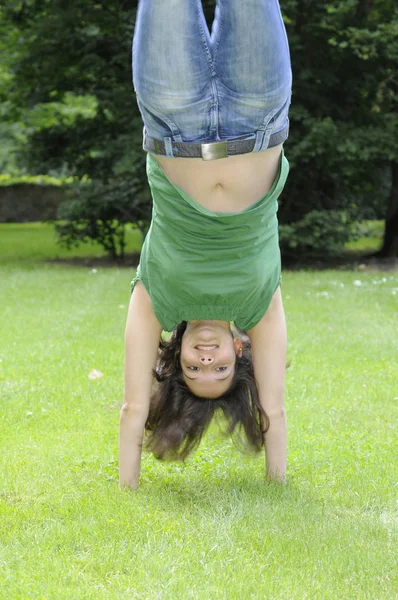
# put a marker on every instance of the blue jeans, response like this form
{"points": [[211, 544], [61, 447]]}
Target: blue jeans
{"points": [[193, 86]]}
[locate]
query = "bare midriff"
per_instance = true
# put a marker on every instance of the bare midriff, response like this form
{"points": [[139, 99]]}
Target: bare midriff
{"points": [[228, 184]]}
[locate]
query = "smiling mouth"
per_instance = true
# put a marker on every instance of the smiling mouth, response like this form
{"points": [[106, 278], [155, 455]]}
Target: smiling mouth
{"points": [[206, 347]]}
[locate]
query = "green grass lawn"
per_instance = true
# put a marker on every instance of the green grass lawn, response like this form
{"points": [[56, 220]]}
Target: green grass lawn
{"points": [[29, 242], [210, 528]]}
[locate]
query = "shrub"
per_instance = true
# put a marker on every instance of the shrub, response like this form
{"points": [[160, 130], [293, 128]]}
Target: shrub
{"points": [[99, 211], [318, 232]]}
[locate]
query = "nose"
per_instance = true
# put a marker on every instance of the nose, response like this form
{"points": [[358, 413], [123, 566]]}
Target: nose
{"points": [[206, 360]]}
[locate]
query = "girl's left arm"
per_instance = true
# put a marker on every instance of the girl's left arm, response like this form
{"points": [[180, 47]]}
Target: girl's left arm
{"points": [[269, 344]]}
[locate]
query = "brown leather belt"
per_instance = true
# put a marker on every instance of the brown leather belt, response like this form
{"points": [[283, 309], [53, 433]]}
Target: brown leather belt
{"points": [[212, 150]]}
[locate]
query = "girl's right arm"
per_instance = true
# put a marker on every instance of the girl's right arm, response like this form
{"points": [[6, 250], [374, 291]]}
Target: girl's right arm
{"points": [[269, 343], [141, 346]]}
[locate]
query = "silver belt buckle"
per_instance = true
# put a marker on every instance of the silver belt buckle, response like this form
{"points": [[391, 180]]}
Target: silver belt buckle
{"points": [[214, 150]]}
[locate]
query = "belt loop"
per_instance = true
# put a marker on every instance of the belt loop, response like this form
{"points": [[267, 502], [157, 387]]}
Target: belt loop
{"points": [[168, 146], [259, 140], [144, 135]]}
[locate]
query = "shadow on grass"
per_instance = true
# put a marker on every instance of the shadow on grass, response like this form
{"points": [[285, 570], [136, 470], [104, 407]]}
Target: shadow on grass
{"points": [[207, 492], [347, 260], [129, 261]]}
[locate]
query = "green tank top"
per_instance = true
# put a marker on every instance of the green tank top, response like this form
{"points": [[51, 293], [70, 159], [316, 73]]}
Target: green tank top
{"points": [[197, 264]]}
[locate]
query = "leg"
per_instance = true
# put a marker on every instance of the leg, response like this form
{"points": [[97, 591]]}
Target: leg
{"points": [[250, 46], [172, 66], [252, 62]]}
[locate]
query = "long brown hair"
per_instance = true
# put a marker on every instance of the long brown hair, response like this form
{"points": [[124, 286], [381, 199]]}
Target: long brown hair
{"points": [[178, 419]]}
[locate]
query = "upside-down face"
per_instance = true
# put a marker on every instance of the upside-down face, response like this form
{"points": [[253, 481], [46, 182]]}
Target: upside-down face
{"points": [[208, 357]]}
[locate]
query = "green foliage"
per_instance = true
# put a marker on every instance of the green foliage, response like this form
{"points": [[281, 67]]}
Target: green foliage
{"points": [[69, 93], [67, 103], [370, 229], [10, 141], [99, 212], [7, 179], [64, 112], [318, 232], [344, 122]]}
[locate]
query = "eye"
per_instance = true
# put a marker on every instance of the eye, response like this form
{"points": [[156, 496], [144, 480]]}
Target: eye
{"points": [[193, 368], [221, 368]]}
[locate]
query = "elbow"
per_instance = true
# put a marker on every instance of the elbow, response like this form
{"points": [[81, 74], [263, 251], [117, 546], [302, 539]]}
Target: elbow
{"points": [[125, 410], [276, 414], [276, 423], [133, 413]]}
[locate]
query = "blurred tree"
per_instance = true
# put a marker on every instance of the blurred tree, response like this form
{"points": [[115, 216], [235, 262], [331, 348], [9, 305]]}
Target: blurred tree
{"points": [[344, 123], [10, 141], [70, 94], [71, 86]]}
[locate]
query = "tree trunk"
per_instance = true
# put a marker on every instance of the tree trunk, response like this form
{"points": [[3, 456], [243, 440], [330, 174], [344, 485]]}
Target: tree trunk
{"points": [[390, 242], [363, 10]]}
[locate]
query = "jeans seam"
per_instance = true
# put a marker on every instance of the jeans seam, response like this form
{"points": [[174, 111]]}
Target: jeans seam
{"points": [[215, 109], [169, 122], [219, 32], [284, 26], [202, 35]]}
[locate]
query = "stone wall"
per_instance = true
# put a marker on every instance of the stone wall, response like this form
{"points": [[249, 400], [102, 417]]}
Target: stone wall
{"points": [[24, 202]]}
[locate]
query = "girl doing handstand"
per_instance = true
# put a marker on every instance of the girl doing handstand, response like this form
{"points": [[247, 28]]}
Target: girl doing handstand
{"points": [[215, 112]]}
